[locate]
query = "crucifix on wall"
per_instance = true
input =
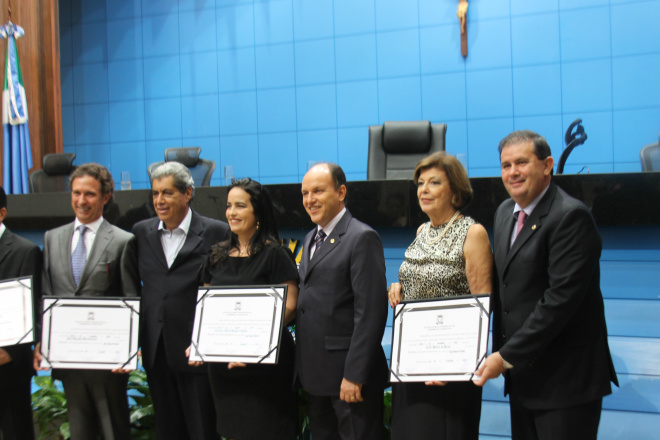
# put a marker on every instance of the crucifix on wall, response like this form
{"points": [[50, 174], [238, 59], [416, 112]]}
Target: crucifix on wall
{"points": [[462, 18]]}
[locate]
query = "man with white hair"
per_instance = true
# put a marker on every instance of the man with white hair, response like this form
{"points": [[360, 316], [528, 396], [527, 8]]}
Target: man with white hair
{"points": [[171, 248]]}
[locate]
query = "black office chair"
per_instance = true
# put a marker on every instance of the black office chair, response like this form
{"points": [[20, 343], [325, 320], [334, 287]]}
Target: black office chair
{"points": [[54, 175], [396, 146], [201, 169], [650, 156]]}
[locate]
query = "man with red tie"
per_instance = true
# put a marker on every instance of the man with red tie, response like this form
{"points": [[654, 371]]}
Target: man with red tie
{"points": [[549, 332]]}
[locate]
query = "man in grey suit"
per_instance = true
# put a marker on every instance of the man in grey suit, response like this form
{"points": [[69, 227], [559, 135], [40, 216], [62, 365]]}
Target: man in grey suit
{"points": [[171, 249], [18, 258], [341, 315], [549, 332], [90, 257]]}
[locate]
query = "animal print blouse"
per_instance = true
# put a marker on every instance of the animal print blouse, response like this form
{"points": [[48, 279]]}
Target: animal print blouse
{"points": [[436, 268]]}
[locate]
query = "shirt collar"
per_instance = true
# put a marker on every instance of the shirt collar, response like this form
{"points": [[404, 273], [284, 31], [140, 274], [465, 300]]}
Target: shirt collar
{"points": [[332, 223], [2, 229], [530, 208], [184, 225], [93, 226]]}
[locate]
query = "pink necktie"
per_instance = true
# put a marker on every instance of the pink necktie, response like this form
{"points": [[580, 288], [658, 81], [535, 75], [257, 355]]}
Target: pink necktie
{"points": [[521, 221]]}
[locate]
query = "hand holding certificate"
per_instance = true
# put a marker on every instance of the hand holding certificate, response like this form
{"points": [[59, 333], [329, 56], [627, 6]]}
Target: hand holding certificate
{"points": [[439, 340], [16, 312], [238, 324], [90, 333]]}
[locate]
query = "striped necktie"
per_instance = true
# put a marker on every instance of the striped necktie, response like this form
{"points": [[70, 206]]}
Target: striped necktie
{"points": [[320, 236]]}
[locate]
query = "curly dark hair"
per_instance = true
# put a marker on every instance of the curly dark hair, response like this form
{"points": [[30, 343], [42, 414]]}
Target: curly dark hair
{"points": [[266, 234], [98, 172]]}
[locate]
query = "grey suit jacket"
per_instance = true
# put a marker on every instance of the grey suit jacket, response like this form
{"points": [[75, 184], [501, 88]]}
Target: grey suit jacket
{"points": [[342, 310], [111, 267]]}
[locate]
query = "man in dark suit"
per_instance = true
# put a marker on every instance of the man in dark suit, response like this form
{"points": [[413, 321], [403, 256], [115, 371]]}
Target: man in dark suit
{"points": [[341, 315], [91, 257], [18, 258], [549, 332], [171, 249]]}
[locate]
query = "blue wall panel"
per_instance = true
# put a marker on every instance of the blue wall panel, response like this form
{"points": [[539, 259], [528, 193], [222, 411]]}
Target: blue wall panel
{"points": [[399, 99], [634, 80], [312, 20], [315, 62], [444, 98], [437, 47], [377, 60], [276, 109], [535, 39], [235, 26], [125, 80], [643, 17], [594, 41], [238, 112], [127, 122], [124, 39], [273, 22], [199, 74], [236, 70]]}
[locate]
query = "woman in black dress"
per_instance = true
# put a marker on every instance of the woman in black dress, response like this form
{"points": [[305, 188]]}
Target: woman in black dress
{"points": [[254, 401]]}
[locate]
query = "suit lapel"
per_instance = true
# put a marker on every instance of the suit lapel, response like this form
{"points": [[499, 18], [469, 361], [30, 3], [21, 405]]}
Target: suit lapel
{"points": [[503, 226], [63, 251], [153, 238], [193, 239], [533, 223], [103, 238], [304, 261], [6, 242]]}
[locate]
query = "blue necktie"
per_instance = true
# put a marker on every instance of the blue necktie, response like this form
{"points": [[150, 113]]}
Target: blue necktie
{"points": [[79, 255]]}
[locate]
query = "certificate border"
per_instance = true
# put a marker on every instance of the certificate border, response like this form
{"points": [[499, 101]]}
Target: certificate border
{"points": [[133, 304], [482, 301], [28, 302], [277, 291]]}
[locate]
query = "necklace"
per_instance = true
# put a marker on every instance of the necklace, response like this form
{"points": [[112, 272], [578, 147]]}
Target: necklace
{"points": [[243, 251], [430, 240]]}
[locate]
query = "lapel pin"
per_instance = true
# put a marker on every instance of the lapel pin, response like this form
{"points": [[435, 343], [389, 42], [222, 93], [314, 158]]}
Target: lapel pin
{"points": [[533, 227], [332, 240]]}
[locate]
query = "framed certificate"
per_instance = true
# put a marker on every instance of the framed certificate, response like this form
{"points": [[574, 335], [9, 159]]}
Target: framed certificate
{"points": [[16, 312], [440, 339], [238, 324], [90, 333]]}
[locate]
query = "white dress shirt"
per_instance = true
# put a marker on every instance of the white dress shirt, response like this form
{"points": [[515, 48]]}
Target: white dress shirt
{"points": [[90, 235], [173, 240], [328, 230], [528, 210]]}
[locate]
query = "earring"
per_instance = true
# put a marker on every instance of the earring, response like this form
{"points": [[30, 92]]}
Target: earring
{"points": [[257, 226]]}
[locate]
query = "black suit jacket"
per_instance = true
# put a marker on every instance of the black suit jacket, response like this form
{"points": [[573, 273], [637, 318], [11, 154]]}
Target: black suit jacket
{"points": [[18, 258], [342, 310], [169, 295], [549, 319]]}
